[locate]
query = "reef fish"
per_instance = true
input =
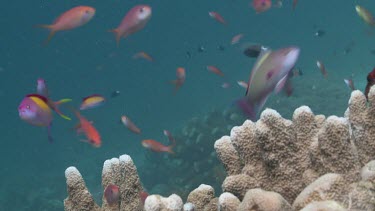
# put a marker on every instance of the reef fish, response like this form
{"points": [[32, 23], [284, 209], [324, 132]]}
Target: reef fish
{"points": [[43, 91], [112, 194], [34, 110], [134, 20], [86, 127], [217, 17], [271, 72], [70, 19], [322, 68], [157, 146], [180, 78], [261, 5], [370, 82], [215, 70], [130, 125], [92, 101], [350, 84], [143, 55], [365, 15]]}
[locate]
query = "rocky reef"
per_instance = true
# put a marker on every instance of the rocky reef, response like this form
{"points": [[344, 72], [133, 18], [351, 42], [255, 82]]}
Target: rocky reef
{"points": [[308, 163]]}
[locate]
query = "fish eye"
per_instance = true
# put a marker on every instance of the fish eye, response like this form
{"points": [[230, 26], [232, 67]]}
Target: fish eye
{"points": [[28, 107], [141, 10], [87, 12]]}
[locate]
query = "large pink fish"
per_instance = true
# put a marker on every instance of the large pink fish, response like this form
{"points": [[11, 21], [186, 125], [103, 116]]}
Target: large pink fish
{"points": [[34, 110], [271, 72], [135, 20], [70, 19]]}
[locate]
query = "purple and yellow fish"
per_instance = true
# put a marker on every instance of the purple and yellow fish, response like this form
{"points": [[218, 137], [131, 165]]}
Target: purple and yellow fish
{"points": [[271, 72], [34, 109], [42, 90], [92, 101]]}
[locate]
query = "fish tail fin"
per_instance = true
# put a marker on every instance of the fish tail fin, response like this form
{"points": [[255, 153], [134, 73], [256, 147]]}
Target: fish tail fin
{"points": [[51, 34], [49, 133], [117, 34], [247, 108], [57, 110], [170, 150]]}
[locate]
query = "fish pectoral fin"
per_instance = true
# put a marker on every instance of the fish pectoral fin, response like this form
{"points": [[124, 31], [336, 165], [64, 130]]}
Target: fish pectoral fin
{"points": [[280, 85]]}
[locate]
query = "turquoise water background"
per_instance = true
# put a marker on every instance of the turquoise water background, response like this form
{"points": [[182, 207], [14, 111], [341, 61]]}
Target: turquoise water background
{"points": [[86, 61]]}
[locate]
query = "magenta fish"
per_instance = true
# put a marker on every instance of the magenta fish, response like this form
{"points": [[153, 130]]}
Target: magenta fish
{"points": [[271, 72], [34, 110], [135, 20]]}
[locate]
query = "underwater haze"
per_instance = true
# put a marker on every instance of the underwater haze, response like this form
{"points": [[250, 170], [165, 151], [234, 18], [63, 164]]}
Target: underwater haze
{"points": [[86, 60]]}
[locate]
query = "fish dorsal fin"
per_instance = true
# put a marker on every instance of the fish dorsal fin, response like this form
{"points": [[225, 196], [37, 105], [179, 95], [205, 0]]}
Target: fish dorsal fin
{"points": [[262, 57], [44, 99], [280, 85]]}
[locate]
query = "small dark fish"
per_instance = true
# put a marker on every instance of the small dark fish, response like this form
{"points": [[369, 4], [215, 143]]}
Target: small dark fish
{"points": [[253, 51], [220, 47], [319, 33], [115, 93]]}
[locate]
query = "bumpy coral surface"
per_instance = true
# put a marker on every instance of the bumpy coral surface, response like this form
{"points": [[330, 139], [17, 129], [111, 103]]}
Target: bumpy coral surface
{"points": [[285, 156]]}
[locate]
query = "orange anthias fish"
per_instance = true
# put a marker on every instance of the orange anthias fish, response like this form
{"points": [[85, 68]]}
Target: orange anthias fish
{"points": [[143, 55], [134, 20], [217, 17], [181, 75], [365, 15], [86, 127], [157, 146], [215, 70], [70, 19]]}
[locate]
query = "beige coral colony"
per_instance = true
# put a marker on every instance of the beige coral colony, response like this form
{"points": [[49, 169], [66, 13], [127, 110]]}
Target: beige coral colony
{"points": [[308, 163]]}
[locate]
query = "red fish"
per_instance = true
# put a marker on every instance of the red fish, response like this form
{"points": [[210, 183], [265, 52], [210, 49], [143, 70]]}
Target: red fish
{"points": [[92, 135], [112, 194], [130, 125], [261, 5], [135, 20], [217, 17], [370, 82], [181, 75], [215, 70], [70, 19]]}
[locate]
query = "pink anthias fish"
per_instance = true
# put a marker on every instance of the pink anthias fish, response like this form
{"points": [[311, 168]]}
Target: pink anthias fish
{"points": [[135, 20], [236, 39], [261, 5], [130, 125], [70, 19], [112, 194], [217, 17], [271, 72], [43, 91]]}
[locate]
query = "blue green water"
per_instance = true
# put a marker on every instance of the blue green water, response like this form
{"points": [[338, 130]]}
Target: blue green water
{"points": [[86, 60]]}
